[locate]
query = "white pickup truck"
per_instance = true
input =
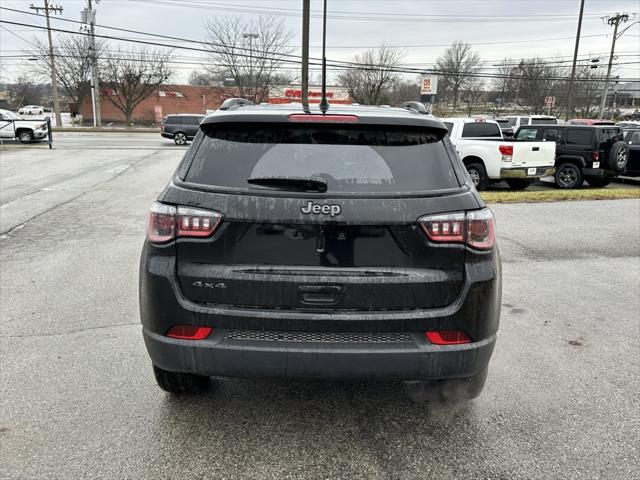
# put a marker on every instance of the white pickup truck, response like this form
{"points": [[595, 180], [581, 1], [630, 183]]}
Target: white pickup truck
{"points": [[490, 158], [13, 127]]}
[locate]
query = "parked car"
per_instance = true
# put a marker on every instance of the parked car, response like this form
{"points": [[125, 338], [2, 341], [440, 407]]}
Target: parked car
{"points": [[31, 110], [632, 138], [489, 158], [519, 121], [635, 115], [505, 127], [294, 244], [628, 124], [12, 126], [182, 128], [589, 121], [592, 153]]}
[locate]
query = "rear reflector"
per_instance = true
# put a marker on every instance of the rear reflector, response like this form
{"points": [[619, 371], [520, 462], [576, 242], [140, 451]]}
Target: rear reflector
{"points": [[307, 117], [475, 228], [447, 337], [187, 332], [167, 222]]}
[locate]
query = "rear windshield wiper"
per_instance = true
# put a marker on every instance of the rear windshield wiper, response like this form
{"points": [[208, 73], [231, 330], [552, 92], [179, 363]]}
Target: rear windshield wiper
{"points": [[303, 184]]}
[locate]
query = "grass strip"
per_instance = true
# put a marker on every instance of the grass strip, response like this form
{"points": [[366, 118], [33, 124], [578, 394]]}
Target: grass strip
{"points": [[560, 195]]}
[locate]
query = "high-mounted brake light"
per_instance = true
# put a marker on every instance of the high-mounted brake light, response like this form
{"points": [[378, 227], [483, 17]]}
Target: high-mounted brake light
{"points": [[447, 337], [188, 332], [167, 222], [475, 228], [310, 118], [507, 152]]}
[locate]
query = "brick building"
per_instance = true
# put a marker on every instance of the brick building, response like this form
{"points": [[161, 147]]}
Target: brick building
{"points": [[165, 100]]}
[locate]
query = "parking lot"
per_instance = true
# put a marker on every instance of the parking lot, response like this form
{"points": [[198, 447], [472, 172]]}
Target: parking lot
{"points": [[79, 399]]}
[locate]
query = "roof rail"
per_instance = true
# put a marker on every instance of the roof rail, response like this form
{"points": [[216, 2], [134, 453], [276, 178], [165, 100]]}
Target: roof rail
{"points": [[415, 106], [230, 103]]}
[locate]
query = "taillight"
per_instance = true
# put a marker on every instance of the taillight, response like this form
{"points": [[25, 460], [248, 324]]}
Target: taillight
{"points": [[193, 222], [188, 332], [162, 223], [595, 156], [475, 228], [507, 152], [308, 117], [448, 337], [166, 222]]}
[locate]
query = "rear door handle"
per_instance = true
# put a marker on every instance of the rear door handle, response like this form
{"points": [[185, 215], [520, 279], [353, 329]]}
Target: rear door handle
{"points": [[535, 149], [319, 294]]}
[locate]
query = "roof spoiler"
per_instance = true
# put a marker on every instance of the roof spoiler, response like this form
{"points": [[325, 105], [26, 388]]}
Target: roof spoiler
{"points": [[230, 103], [415, 107]]}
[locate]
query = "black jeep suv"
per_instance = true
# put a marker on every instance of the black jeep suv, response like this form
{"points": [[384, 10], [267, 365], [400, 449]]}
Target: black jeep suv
{"points": [[592, 153], [291, 243]]}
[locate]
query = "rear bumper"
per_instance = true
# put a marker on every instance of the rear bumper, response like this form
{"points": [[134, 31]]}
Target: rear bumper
{"points": [[597, 172], [166, 135], [524, 172], [224, 356]]}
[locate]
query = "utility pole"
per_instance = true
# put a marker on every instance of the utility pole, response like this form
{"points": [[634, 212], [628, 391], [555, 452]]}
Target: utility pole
{"points": [[52, 62], [616, 20], [89, 16], [306, 6], [573, 68], [251, 36]]}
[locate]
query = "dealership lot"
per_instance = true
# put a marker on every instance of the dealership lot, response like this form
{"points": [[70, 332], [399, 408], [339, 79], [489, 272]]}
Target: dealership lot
{"points": [[79, 400]]}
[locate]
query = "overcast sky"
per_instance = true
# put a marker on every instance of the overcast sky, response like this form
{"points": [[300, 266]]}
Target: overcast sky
{"points": [[496, 28]]}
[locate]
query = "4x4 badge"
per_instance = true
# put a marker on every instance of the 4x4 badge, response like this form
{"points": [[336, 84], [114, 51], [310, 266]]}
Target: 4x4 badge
{"points": [[317, 209]]}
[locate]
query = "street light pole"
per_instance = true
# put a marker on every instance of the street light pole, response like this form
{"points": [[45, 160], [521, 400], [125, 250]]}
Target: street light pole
{"points": [[573, 68], [615, 21], [251, 36], [306, 6]]}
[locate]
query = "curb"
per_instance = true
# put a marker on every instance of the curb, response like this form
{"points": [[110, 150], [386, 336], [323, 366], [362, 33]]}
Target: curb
{"points": [[104, 130]]}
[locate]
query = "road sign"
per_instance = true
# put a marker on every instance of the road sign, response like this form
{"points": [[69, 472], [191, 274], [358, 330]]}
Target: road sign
{"points": [[429, 85], [550, 102]]}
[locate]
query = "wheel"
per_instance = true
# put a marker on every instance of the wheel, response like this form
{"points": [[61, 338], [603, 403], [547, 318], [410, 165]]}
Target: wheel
{"points": [[618, 157], [568, 175], [180, 138], [25, 136], [518, 183], [598, 182], [478, 175], [174, 382], [449, 391]]}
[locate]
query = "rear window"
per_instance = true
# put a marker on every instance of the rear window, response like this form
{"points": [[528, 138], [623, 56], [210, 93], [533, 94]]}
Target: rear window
{"points": [[579, 136], [481, 129], [544, 121], [351, 159]]}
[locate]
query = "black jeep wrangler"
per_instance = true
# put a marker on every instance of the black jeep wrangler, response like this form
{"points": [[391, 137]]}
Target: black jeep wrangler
{"points": [[592, 153]]}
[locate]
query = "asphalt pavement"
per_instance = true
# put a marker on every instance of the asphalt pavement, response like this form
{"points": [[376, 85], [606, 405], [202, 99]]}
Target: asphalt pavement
{"points": [[78, 398]]}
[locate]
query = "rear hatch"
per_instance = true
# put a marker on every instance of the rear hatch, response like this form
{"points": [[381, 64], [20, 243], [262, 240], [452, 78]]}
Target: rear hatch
{"points": [[321, 216]]}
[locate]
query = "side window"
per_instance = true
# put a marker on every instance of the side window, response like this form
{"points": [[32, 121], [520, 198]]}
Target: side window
{"points": [[579, 136], [449, 126], [512, 121], [524, 121], [551, 135], [527, 134]]}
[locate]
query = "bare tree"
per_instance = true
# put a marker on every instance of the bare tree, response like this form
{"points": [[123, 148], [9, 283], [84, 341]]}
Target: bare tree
{"points": [[371, 82], [588, 88], [133, 75], [456, 66], [73, 61], [538, 78], [249, 51], [503, 87], [25, 91], [404, 91], [473, 94]]}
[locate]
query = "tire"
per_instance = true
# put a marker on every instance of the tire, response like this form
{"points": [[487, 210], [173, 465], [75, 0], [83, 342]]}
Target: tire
{"points": [[179, 383], [180, 138], [478, 175], [568, 175], [518, 183], [449, 391], [598, 182], [618, 157], [25, 136]]}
